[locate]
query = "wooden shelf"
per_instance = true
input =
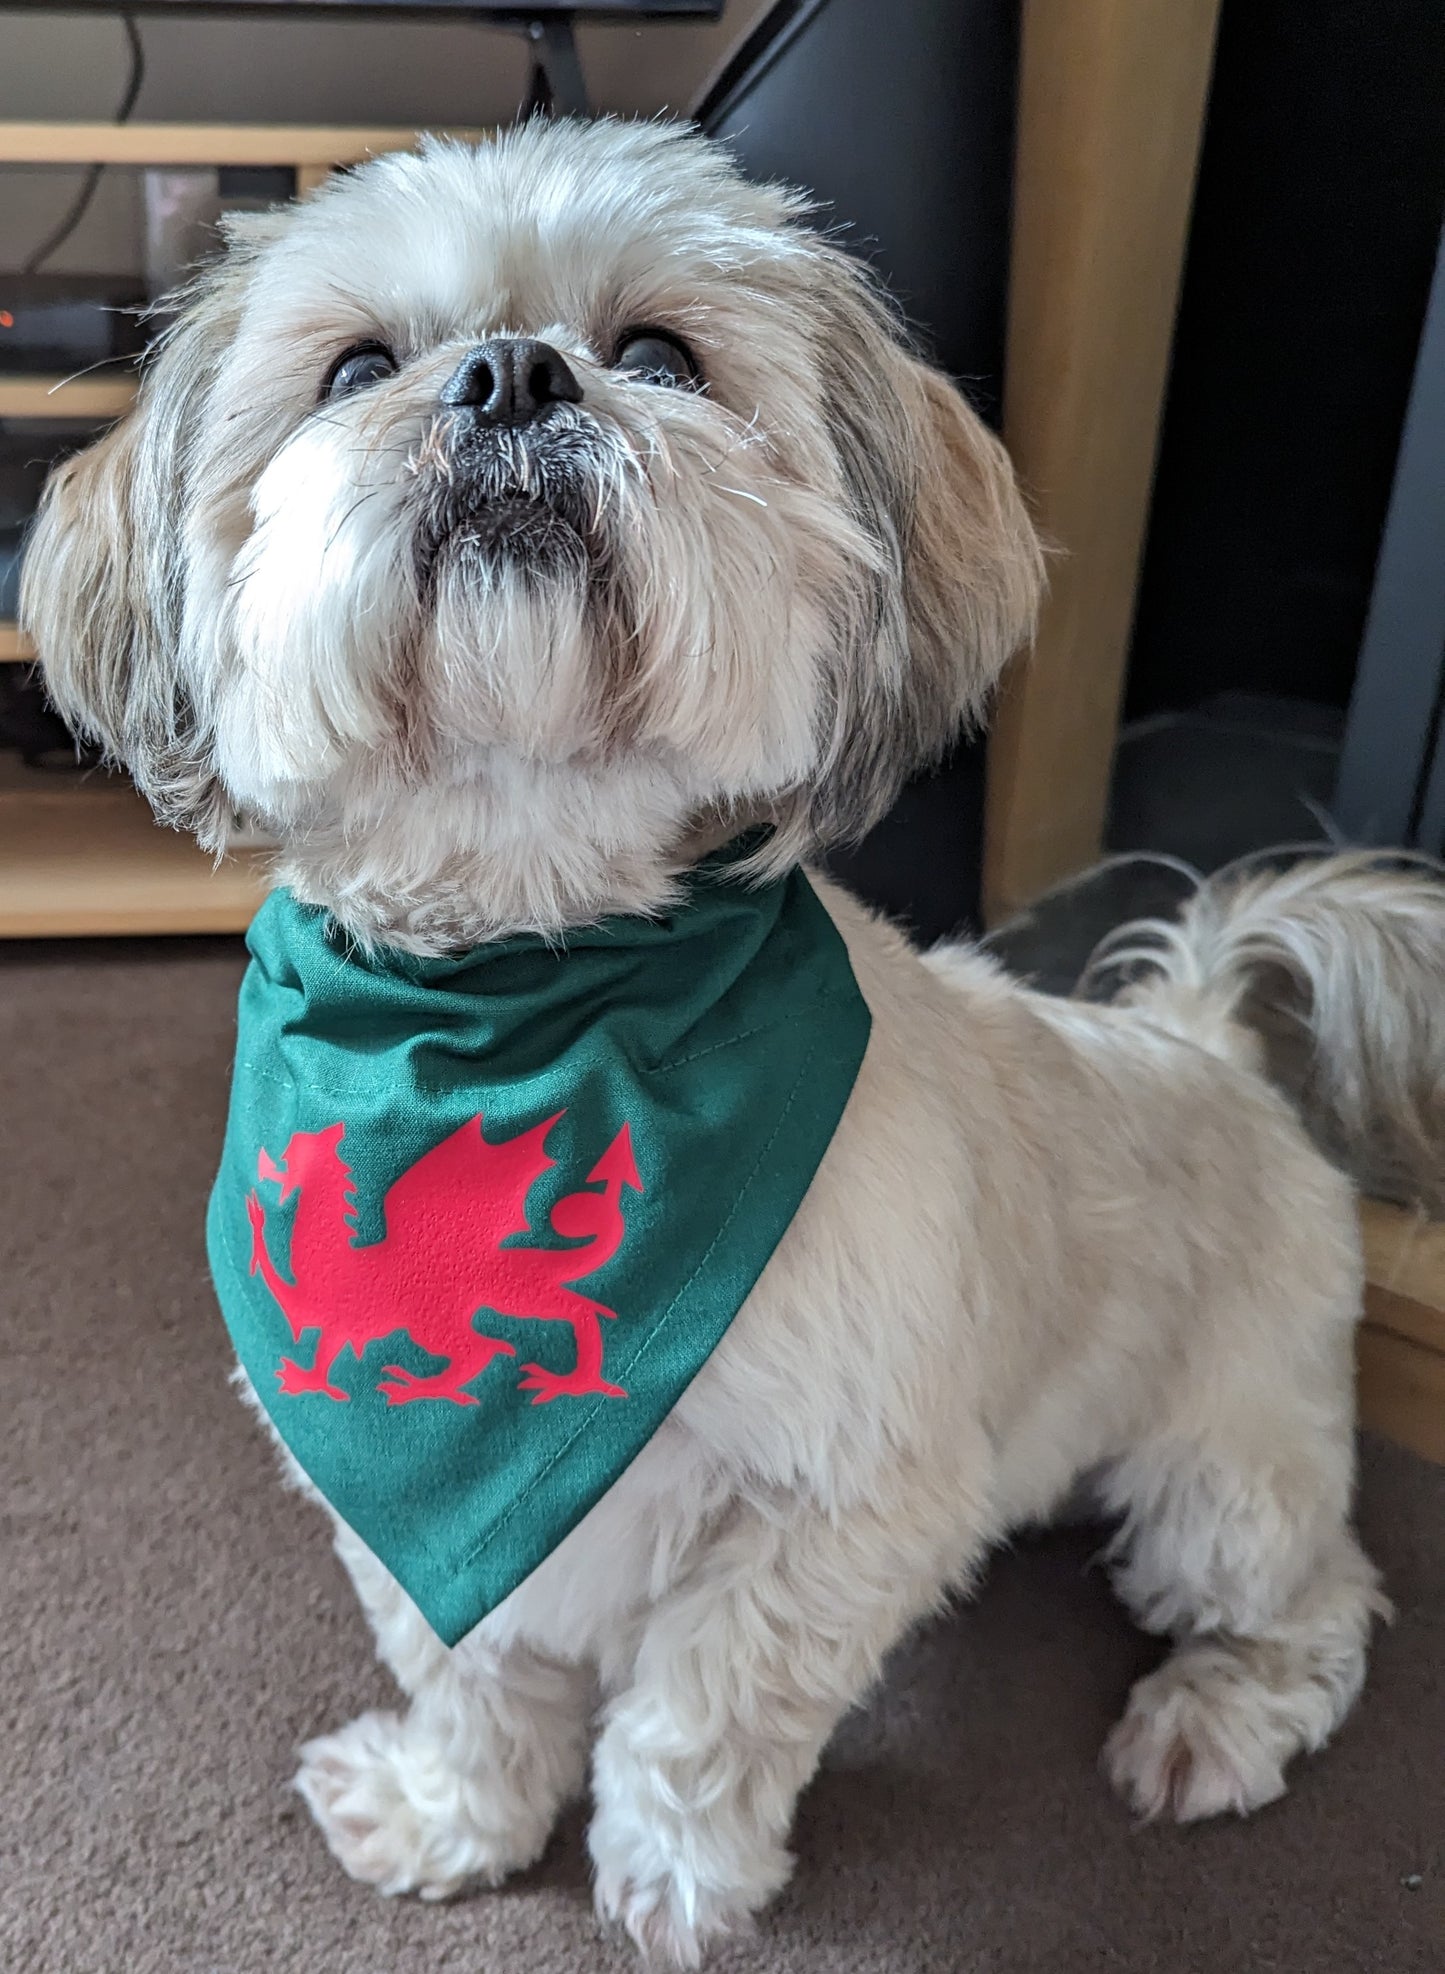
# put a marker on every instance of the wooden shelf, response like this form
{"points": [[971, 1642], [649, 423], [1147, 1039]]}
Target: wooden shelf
{"points": [[15, 647], [81, 855], [66, 397], [302, 145]]}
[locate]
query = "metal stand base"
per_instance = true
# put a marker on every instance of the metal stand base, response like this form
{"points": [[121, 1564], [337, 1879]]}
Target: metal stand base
{"points": [[556, 87]]}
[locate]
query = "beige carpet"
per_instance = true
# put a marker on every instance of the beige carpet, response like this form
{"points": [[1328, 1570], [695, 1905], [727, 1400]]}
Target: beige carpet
{"points": [[173, 1623]]}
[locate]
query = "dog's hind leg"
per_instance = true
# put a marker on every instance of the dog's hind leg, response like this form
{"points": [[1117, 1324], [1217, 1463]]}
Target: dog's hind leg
{"points": [[1236, 1543], [1214, 1727]]}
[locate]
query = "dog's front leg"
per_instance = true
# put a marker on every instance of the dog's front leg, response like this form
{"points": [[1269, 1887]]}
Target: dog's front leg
{"points": [[740, 1676], [467, 1783]]}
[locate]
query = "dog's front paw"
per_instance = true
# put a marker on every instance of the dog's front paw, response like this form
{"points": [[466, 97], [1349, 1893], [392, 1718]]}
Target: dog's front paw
{"points": [[680, 1867], [1192, 1745], [671, 1920], [397, 1815]]}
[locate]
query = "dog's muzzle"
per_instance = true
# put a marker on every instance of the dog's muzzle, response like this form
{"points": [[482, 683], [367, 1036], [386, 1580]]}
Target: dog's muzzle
{"points": [[513, 465]]}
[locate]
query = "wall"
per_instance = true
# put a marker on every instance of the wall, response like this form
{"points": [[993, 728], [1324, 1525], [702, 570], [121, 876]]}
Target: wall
{"points": [[412, 73]]}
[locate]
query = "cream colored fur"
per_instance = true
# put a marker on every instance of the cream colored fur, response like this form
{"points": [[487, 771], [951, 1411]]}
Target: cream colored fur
{"points": [[1050, 1239]]}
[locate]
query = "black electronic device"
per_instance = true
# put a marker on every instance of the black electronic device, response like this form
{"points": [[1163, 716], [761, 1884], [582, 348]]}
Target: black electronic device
{"points": [[56, 324], [556, 84], [509, 11]]}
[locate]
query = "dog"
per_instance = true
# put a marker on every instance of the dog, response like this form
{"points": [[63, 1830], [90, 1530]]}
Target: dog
{"points": [[502, 529]]}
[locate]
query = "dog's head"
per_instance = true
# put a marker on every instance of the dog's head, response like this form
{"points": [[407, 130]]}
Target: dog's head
{"points": [[499, 521]]}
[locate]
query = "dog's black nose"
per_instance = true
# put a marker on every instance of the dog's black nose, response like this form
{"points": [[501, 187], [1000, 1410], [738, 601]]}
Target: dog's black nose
{"points": [[510, 381]]}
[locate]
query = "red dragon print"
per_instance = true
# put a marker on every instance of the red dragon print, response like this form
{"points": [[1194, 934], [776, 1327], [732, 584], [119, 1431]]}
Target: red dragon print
{"points": [[441, 1262]]}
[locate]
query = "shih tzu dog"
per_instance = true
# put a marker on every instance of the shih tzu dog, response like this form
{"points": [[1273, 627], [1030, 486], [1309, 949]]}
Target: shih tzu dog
{"points": [[529, 537]]}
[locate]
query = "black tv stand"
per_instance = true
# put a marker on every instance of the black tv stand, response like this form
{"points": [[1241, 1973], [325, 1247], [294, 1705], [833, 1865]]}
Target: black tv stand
{"points": [[556, 87]]}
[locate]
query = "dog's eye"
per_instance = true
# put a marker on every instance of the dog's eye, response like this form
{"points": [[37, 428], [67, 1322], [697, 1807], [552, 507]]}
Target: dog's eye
{"points": [[654, 357], [366, 364]]}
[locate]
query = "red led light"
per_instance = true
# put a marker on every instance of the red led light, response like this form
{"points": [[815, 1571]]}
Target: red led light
{"points": [[7, 320]]}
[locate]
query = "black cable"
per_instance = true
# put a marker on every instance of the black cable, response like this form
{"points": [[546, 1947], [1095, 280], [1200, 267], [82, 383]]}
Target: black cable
{"points": [[80, 205]]}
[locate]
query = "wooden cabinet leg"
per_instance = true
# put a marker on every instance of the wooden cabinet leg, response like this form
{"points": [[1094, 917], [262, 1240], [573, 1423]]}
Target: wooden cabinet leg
{"points": [[1111, 111]]}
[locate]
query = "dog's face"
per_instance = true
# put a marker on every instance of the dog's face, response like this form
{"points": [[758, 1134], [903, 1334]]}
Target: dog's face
{"points": [[500, 520]]}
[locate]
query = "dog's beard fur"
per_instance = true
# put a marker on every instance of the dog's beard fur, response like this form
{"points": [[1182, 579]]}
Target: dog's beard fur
{"points": [[475, 681]]}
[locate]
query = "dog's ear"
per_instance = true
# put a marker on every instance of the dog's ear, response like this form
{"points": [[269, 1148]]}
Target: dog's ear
{"points": [[973, 569], [103, 588], [103, 592], [958, 572]]}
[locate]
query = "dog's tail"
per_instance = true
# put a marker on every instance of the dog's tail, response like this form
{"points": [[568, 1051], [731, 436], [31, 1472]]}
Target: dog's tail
{"points": [[1329, 976]]}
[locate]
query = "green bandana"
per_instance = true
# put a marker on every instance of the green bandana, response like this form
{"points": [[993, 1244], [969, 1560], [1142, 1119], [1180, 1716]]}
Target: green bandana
{"points": [[480, 1220]]}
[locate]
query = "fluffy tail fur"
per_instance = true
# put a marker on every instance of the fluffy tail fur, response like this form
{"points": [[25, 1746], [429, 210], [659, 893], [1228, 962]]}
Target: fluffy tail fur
{"points": [[1328, 975]]}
